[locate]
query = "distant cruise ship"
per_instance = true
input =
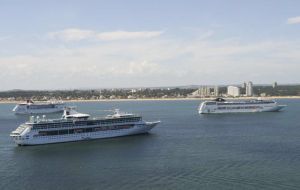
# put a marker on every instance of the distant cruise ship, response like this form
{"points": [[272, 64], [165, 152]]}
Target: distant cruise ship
{"points": [[31, 107], [74, 126], [220, 105]]}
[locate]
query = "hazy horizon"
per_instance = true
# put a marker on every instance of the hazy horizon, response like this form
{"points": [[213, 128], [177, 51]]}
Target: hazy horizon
{"points": [[143, 87], [117, 44]]}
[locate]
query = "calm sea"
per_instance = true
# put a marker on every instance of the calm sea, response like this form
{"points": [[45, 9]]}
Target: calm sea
{"points": [[186, 151]]}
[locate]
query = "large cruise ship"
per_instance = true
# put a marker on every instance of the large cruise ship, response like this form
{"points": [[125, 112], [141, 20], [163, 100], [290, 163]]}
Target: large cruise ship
{"points": [[74, 126], [220, 105], [30, 107]]}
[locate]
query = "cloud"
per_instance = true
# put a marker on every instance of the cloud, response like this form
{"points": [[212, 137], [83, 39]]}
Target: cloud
{"points": [[156, 62], [143, 68], [75, 34], [72, 34], [124, 35], [294, 20]]}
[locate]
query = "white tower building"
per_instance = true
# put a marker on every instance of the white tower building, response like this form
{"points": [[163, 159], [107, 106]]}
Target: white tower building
{"points": [[249, 89], [216, 91]]}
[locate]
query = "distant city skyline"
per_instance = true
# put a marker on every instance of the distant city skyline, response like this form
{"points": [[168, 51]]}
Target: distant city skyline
{"points": [[126, 44]]}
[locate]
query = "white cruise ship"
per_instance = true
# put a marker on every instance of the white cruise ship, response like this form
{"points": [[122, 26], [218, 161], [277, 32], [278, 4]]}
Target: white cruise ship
{"points": [[220, 105], [74, 126], [31, 107]]}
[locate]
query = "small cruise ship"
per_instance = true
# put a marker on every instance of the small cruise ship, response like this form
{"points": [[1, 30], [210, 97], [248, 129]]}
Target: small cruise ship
{"points": [[74, 126], [220, 105], [30, 107]]}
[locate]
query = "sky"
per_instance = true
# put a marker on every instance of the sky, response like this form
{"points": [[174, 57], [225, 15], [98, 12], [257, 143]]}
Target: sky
{"points": [[60, 44]]}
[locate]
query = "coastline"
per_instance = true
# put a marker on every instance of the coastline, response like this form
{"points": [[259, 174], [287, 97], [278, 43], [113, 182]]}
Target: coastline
{"points": [[162, 99]]}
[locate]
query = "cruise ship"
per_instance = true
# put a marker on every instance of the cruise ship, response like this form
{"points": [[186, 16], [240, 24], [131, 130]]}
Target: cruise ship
{"points": [[30, 107], [74, 126], [220, 105]]}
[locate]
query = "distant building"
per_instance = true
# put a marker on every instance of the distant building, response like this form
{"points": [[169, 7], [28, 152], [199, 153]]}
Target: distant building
{"points": [[233, 91], [244, 85], [206, 91], [263, 94], [131, 97], [112, 97], [274, 85], [249, 89], [216, 91]]}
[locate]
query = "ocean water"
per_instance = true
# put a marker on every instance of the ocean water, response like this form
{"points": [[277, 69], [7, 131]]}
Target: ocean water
{"points": [[185, 151]]}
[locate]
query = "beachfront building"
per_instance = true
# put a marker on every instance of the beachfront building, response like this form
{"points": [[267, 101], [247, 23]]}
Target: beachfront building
{"points": [[249, 89], [233, 91], [205, 91]]}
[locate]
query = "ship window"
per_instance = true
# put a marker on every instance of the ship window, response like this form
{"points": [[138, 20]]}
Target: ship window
{"points": [[63, 132], [91, 123], [78, 130], [52, 132], [42, 133], [89, 130], [113, 127], [98, 129], [210, 103]]}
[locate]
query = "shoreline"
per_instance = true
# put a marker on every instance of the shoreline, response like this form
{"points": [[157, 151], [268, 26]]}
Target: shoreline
{"points": [[161, 99]]}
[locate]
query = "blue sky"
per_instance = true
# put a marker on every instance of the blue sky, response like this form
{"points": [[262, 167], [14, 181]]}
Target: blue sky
{"points": [[99, 44]]}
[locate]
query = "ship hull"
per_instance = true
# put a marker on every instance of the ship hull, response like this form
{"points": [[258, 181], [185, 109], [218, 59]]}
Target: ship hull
{"points": [[137, 129], [215, 110]]}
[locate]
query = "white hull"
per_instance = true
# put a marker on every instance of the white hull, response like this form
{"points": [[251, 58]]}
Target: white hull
{"points": [[271, 109], [37, 140], [213, 107]]}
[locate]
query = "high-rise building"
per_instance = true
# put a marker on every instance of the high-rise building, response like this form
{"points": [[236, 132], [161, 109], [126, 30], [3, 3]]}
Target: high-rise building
{"points": [[244, 85], [233, 91], [274, 85], [249, 89], [216, 91]]}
